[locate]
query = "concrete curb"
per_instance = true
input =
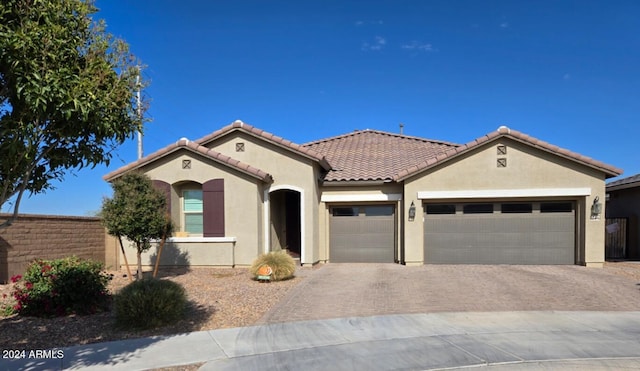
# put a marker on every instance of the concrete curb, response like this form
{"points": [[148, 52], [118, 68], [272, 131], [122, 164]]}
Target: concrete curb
{"points": [[497, 340]]}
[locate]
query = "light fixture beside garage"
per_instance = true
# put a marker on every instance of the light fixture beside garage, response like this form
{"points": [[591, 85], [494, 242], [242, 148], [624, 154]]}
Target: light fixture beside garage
{"points": [[596, 209], [412, 212]]}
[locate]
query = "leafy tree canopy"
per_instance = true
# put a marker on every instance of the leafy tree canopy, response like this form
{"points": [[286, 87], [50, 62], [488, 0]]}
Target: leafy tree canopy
{"points": [[67, 92]]}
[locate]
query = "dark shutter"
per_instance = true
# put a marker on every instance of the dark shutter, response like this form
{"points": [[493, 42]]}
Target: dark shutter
{"points": [[166, 189], [213, 208]]}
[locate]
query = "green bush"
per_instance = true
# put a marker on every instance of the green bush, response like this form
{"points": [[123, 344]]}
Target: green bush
{"points": [[7, 310], [149, 303], [62, 286], [281, 263]]}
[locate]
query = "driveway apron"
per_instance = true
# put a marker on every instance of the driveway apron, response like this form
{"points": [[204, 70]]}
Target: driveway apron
{"points": [[350, 290]]}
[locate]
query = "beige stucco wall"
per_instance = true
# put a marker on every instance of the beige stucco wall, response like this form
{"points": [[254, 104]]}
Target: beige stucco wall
{"points": [[242, 199], [356, 195], [527, 168], [183, 254], [289, 171]]}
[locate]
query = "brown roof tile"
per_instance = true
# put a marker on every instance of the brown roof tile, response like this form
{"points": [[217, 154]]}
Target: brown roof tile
{"points": [[371, 155], [366, 155], [259, 133], [196, 148], [504, 131]]}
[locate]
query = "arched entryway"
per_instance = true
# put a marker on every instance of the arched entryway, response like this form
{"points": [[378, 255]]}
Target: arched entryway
{"points": [[285, 227]]}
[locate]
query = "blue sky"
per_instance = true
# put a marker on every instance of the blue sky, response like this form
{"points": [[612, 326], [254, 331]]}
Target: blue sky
{"points": [[567, 72]]}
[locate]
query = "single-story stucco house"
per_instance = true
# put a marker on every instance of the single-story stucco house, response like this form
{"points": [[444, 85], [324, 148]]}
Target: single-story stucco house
{"points": [[623, 202], [373, 196]]}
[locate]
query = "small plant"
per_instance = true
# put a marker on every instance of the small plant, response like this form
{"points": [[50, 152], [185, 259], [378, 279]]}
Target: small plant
{"points": [[62, 286], [150, 303], [282, 264], [6, 308]]}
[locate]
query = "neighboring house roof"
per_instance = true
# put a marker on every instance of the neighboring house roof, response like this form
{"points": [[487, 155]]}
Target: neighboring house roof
{"points": [[504, 131], [274, 139], [195, 148], [624, 183], [371, 155]]}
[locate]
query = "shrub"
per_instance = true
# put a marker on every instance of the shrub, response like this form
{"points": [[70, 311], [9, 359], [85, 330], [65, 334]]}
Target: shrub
{"points": [[150, 303], [280, 261], [7, 310], [62, 286]]}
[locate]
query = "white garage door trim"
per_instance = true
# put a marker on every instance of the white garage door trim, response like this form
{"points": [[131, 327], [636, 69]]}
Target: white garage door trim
{"points": [[368, 197], [505, 193]]}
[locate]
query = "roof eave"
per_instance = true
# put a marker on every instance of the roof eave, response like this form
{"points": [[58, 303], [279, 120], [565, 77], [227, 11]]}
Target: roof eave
{"points": [[193, 148], [503, 132], [609, 171], [355, 183], [263, 135], [621, 187]]}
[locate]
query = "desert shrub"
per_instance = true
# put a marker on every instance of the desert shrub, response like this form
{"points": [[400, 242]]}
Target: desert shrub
{"points": [[280, 261], [62, 286], [150, 303]]}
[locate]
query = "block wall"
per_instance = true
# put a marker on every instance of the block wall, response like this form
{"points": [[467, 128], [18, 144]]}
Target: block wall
{"points": [[50, 237]]}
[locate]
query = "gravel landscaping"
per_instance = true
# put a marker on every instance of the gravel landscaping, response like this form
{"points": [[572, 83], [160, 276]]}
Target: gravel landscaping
{"points": [[219, 297]]}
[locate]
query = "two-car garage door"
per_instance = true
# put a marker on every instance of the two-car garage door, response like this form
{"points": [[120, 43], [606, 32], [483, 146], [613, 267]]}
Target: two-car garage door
{"points": [[538, 232]]}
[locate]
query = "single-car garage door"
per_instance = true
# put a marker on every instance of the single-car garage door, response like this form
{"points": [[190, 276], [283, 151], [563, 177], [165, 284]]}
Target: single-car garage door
{"points": [[538, 232], [362, 234]]}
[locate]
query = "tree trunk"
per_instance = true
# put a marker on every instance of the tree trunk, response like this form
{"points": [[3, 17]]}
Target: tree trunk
{"points": [[139, 265], [126, 262]]}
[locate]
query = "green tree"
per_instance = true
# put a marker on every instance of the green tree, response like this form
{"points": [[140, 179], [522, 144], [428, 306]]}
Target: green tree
{"points": [[67, 94], [138, 212]]}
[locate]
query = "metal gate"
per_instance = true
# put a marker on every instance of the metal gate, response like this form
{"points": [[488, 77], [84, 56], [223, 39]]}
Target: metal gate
{"points": [[615, 242]]}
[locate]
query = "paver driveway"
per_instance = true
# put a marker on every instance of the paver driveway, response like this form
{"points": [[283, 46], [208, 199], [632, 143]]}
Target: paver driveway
{"points": [[348, 290]]}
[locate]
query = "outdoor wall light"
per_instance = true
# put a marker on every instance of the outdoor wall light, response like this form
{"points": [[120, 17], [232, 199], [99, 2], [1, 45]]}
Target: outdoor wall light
{"points": [[412, 212], [596, 208]]}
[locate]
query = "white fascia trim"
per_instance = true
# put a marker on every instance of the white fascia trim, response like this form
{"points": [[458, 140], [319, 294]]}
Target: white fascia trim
{"points": [[199, 239], [266, 218], [362, 197], [505, 193]]}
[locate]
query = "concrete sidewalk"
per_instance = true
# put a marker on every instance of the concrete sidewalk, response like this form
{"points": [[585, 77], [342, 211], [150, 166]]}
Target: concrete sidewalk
{"points": [[495, 340]]}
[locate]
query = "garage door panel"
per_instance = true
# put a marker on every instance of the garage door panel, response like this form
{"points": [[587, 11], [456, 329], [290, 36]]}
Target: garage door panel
{"points": [[461, 254], [500, 238], [368, 236], [359, 255]]}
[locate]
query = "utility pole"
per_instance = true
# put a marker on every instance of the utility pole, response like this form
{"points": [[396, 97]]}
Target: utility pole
{"points": [[401, 128], [139, 109]]}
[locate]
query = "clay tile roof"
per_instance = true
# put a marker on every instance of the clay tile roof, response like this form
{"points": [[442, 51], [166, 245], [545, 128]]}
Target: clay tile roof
{"points": [[628, 182], [196, 148], [504, 131], [371, 155], [259, 133]]}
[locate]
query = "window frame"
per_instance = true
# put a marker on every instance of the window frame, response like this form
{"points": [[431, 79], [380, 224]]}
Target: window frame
{"points": [[184, 213], [475, 208], [440, 209], [516, 208]]}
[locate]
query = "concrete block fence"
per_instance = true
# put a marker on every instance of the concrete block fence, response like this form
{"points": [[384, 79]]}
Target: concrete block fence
{"points": [[50, 237]]}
